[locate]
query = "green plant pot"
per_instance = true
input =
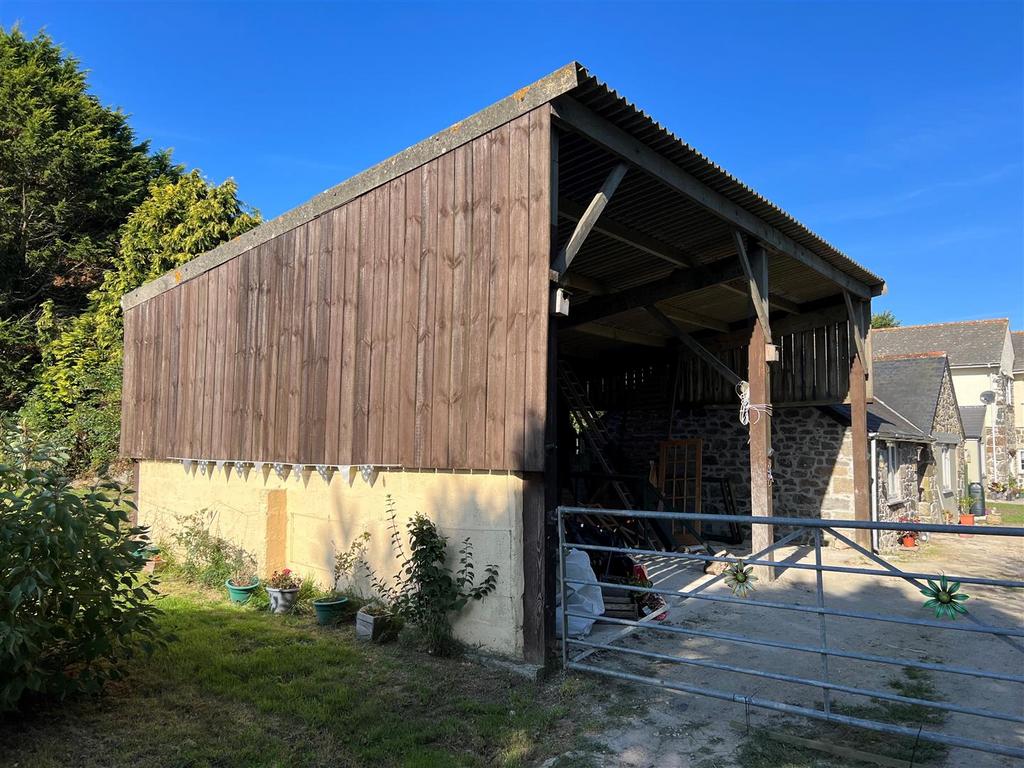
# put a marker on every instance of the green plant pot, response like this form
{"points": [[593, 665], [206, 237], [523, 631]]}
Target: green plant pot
{"points": [[330, 610], [240, 594]]}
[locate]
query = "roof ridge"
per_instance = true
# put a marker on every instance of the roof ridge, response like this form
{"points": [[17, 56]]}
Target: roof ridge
{"points": [[911, 356], [911, 423], [948, 322]]}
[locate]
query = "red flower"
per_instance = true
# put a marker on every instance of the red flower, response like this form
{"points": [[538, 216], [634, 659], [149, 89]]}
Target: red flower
{"points": [[286, 571]]}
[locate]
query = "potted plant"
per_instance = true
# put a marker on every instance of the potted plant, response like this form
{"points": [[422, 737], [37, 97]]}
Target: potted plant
{"points": [[907, 538], [966, 518], [332, 608], [242, 583], [283, 589], [376, 622]]}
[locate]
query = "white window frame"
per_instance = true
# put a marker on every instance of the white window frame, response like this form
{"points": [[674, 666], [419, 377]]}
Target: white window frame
{"points": [[947, 467], [892, 483]]}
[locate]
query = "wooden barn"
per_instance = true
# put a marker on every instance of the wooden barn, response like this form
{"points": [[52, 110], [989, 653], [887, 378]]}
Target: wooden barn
{"points": [[553, 301]]}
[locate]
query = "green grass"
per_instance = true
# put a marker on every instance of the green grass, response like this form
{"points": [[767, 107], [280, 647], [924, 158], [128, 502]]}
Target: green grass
{"points": [[1012, 514], [759, 751], [239, 687]]}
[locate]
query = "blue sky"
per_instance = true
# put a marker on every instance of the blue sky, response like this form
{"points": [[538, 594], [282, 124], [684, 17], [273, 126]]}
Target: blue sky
{"points": [[894, 130]]}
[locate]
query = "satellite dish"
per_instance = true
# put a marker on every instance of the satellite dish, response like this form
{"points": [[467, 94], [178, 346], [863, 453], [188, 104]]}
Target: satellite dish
{"points": [[988, 397]]}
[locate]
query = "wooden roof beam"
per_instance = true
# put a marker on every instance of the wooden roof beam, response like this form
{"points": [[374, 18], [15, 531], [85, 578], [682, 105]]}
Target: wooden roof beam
{"points": [[755, 267], [599, 130], [695, 346], [695, 318], [622, 334], [676, 284], [573, 211], [589, 219]]}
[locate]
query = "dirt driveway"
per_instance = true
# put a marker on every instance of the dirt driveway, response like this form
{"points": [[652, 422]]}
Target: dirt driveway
{"points": [[656, 727]]}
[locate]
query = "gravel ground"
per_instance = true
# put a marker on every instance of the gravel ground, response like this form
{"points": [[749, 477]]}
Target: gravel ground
{"points": [[655, 727]]}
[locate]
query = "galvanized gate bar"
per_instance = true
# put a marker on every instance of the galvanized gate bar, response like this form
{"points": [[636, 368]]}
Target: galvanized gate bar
{"points": [[800, 681], [778, 706], [782, 566], [827, 686], [798, 522], [982, 628]]}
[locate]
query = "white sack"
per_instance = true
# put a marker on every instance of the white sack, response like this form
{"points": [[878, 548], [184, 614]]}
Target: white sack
{"points": [[581, 598]]}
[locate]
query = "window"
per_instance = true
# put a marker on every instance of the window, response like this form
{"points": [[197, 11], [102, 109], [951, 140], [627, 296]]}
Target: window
{"points": [[891, 471], [947, 468]]}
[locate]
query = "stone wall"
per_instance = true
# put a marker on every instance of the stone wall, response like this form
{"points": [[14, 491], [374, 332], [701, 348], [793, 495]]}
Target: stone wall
{"points": [[1000, 466], [813, 456]]}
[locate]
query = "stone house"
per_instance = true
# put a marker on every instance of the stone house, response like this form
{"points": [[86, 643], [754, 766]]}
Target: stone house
{"points": [[1017, 340], [981, 358]]}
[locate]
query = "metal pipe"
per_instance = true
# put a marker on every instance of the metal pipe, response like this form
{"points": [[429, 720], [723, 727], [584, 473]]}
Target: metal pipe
{"points": [[805, 522], [562, 582], [896, 730], [982, 628], [884, 695], [801, 566], [834, 652], [874, 492], [826, 700]]}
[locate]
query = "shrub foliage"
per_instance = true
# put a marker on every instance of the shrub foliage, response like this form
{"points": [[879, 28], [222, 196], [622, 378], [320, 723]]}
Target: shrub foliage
{"points": [[426, 592], [73, 605]]}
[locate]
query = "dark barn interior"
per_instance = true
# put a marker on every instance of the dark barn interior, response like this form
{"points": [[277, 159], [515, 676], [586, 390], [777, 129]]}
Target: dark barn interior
{"points": [[685, 336]]}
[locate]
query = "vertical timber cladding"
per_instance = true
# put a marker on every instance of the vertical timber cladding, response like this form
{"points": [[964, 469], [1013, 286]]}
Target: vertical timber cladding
{"points": [[405, 327]]}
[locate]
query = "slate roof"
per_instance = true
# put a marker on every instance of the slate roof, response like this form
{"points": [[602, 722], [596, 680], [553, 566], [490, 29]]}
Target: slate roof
{"points": [[910, 385], [906, 391], [1017, 337], [974, 342], [973, 418], [885, 422]]}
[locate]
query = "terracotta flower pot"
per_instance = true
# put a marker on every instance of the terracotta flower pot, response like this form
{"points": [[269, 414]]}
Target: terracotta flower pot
{"points": [[966, 520], [909, 542]]}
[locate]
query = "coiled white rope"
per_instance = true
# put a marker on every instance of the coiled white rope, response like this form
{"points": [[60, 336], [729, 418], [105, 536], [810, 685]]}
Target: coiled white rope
{"points": [[747, 407]]}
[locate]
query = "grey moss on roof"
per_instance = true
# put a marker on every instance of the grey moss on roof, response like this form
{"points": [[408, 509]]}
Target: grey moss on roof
{"points": [[975, 342]]}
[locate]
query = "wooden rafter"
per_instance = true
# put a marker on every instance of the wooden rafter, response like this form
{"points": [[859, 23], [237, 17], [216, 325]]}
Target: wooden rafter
{"points": [[599, 130], [573, 211], [695, 346], [589, 218], [758, 284]]}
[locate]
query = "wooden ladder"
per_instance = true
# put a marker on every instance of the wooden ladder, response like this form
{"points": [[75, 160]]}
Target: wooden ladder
{"points": [[594, 430]]}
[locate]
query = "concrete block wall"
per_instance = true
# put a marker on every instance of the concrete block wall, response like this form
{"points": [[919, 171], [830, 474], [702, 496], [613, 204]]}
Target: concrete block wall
{"points": [[302, 524]]}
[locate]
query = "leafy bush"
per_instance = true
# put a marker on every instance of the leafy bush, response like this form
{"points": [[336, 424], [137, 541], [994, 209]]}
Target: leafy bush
{"points": [[204, 558], [425, 591], [73, 605]]}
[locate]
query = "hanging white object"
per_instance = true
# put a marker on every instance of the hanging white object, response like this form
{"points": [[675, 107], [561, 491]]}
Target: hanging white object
{"points": [[239, 468], [347, 475], [187, 465], [203, 467], [297, 470], [581, 598], [369, 473], [324, 471], [279, 469], [258, 466], [220, 465]]}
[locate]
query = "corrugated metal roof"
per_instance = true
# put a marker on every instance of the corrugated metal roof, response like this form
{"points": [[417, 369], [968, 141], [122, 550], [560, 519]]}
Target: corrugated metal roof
{"points": [[615, 108], [692, 225]]}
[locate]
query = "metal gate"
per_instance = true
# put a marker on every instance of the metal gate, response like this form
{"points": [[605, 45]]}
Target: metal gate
{"points": [[940, 589]]}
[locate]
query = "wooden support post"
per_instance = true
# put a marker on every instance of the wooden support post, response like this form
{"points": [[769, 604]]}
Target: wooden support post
{"points": [[862, 489], [762, 536]]}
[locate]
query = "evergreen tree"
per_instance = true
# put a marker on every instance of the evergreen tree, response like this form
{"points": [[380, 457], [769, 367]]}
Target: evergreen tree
{"points": [[71, 170]]}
